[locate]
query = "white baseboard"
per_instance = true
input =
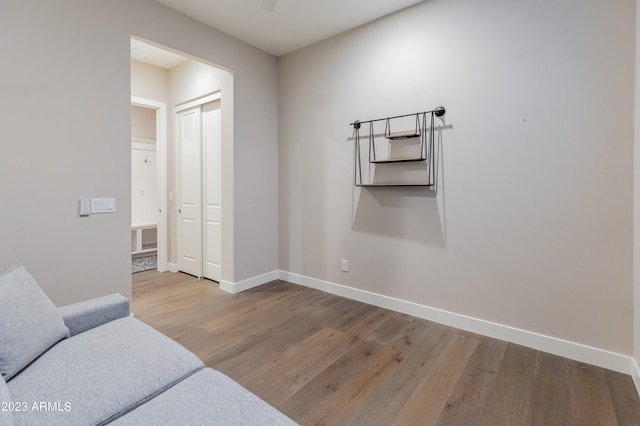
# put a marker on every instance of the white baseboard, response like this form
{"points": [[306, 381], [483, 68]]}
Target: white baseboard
{"points": [[572, 350], [243, 285], [635, 374], [576, 351], [173, 267]]}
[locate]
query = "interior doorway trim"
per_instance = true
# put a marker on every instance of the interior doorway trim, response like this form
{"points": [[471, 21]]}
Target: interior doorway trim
{"points": [[161, 155]]}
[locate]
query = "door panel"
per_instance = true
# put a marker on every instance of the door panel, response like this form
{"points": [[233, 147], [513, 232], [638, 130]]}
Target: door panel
{"points": [[211, 193], [189, 192]]}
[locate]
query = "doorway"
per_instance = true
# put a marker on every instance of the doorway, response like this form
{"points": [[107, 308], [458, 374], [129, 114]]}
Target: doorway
{"points": [[149, 182], [175, 79]]}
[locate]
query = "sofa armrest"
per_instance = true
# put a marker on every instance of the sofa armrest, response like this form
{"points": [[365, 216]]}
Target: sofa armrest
{"points": [[83, 316]]}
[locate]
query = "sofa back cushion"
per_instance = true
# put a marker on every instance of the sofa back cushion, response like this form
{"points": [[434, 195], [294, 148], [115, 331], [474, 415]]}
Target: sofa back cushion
{"points": [[101, 374], [29, 322], [5, 399]]}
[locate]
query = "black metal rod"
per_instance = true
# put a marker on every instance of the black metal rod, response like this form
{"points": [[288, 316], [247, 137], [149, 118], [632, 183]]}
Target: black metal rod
{"points": [[438, 111], [372, 143], [423, 136]]}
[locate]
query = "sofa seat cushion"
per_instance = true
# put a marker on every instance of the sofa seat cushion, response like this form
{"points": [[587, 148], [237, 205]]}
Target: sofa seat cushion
{"points": [[5, 408], [99, 375], [30, 323], [205, 398]]}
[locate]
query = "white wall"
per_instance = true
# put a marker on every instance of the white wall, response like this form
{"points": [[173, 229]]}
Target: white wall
{"points": [[144, 185], [65, 99], [532, 224], [636, 210], [143, 122], [149, 82]]}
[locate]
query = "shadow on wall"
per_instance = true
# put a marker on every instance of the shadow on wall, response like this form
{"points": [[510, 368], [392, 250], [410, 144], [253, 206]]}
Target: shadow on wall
{"points": [[407, 213]]}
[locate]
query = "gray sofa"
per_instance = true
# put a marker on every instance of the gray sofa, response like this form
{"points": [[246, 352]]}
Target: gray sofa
{"points": [[91, 364]]}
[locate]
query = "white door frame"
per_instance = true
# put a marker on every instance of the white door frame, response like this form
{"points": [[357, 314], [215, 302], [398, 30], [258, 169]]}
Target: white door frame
{"points": [[177, 109], [161, 156]]}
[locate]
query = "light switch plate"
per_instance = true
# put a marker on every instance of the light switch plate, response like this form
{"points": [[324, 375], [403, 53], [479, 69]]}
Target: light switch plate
{"points": [[103, 205], [85, 206]]}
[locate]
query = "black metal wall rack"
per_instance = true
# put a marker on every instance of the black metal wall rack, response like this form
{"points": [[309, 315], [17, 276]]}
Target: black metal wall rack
{"points": [[418, 132]]}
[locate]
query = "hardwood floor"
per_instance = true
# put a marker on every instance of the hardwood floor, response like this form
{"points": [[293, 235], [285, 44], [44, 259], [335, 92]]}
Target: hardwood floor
{"points": [[325, 360]]}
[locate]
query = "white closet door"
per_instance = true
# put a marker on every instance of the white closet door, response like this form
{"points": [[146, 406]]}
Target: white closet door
{"points": [[190, 191], [212, 246]]}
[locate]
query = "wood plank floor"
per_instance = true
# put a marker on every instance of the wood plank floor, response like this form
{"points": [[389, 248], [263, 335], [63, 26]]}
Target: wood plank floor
{"points": [[325, 360]]}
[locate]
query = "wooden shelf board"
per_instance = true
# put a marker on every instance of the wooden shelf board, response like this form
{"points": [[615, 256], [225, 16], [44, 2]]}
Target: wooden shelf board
{"points": [[394, 184], [143, 225], [404, 160], [403, 135], [149, 250]]}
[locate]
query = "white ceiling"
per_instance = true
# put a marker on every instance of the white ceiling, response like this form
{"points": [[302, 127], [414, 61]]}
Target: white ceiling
{"points": [[292, 24], [154, 55]]}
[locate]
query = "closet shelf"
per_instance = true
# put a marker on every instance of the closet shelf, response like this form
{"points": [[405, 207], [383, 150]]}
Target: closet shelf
{"points": [[141, 140], [144, 238]]}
